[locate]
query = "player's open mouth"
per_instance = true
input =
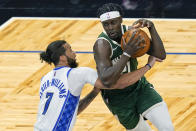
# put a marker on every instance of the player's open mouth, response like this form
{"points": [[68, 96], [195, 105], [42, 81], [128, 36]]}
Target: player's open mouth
{"points": [[112, 33]]}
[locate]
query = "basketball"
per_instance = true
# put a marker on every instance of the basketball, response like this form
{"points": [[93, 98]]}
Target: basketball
{"points": [[127, 35]]}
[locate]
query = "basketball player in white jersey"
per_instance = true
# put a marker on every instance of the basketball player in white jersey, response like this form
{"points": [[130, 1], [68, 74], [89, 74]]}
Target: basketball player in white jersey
{"points": [[60, 89]]}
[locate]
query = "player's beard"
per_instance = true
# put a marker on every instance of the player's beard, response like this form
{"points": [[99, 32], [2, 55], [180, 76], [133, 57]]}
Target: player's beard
{"points": [[72, 62]]}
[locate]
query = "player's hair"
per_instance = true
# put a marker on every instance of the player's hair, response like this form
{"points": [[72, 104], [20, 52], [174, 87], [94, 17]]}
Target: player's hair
{"points": [[53, 52], [109, 7]]}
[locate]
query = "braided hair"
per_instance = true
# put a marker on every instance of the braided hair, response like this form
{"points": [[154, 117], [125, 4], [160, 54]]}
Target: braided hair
{"points": [[109, 7], [53, 52]]}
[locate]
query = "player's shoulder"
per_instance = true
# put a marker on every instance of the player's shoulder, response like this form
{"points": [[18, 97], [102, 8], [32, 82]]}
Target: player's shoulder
{"points": [[82, 72], [101, 41], [82, 69], [101, 44]]}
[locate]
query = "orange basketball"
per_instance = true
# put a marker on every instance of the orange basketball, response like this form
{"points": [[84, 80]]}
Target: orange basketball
{"points": [[127, 35]]}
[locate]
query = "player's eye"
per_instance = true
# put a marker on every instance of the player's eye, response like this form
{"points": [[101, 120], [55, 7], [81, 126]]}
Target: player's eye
{"points": [[105, 24]]}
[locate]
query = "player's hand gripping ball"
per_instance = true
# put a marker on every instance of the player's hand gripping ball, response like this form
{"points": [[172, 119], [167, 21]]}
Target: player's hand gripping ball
{"points": [[140, 52]]}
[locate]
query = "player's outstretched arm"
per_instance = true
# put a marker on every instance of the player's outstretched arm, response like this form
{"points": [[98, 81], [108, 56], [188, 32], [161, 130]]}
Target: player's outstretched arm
{"points": [[87, 99], [131, 77]]}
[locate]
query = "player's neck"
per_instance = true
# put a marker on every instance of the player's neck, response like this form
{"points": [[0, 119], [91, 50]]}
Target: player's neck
{"points": [[118, 40], [60, 65]]}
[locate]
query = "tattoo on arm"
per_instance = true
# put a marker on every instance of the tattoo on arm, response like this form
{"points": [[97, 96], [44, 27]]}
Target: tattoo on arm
{"points": [[86, 101]]}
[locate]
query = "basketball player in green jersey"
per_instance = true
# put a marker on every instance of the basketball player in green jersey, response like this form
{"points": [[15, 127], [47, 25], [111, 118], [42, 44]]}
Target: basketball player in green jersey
{"points": [[139, 100]]}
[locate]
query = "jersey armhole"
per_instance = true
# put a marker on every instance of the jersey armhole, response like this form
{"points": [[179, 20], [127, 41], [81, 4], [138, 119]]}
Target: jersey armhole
{"points": [[102, 38]]}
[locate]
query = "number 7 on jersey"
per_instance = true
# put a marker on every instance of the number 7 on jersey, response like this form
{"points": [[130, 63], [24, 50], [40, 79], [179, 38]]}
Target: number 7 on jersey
{"points": [[49, 95]]}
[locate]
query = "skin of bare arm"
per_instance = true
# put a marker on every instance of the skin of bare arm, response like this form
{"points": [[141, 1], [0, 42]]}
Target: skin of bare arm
{"points": [[157, 49], [129, 78], [87, 99], [125, 80]]}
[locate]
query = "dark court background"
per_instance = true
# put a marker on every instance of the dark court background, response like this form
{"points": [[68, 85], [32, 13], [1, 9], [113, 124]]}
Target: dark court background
{"points": [[88, 8]]}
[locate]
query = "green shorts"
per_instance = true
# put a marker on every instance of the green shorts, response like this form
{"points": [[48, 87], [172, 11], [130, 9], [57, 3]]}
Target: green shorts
{"points": [[128, 107]]}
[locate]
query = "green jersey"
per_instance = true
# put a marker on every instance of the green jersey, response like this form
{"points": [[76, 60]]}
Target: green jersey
{"points": [[133, 100]]}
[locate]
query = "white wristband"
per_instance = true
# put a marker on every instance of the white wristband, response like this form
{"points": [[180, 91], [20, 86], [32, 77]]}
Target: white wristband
{"points": [[125, 53]]}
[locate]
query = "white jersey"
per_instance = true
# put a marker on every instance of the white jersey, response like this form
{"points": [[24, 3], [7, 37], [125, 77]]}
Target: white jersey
{"points": [[59, 97]]}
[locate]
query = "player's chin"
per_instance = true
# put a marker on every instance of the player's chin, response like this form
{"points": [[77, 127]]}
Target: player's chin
{"points": [[113, 36]]}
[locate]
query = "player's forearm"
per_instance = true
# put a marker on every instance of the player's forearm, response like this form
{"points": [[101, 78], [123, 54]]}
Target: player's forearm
{"points": [[87, 100], [157, 48], [111, 74], [130, 78]]}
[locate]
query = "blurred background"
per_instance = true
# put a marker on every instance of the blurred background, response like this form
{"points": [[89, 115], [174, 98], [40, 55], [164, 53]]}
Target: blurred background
{"points": [[87, 8]]}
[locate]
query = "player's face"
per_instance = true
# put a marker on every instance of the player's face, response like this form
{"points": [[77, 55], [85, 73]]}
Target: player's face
{"points": [[71, 56], [113, 28]]}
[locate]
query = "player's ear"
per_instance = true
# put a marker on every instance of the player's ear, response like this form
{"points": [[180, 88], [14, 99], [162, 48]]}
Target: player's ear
{"points": [[62, 58]]}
